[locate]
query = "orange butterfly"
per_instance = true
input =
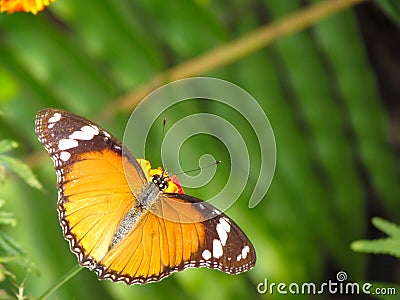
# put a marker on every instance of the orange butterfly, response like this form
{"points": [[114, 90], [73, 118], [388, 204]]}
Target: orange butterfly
{"points": [[135, 233]]}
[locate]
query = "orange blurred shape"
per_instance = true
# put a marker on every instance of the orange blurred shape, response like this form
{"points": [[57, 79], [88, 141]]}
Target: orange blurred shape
{"points": [[32, 6]]}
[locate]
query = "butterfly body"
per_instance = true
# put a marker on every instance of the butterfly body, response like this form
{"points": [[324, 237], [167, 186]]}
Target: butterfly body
{"points": [[128, 222], [149, 195]]}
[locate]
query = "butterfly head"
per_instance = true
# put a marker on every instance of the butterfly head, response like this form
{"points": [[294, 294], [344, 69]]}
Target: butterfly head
{"points": [[161, 181], [165, 182]]}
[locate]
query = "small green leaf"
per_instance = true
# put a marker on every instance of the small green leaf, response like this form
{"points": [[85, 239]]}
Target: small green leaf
{"points": [[10, 250], [389, 245], [387, 227], [381, 246], [7, 218], [7, 145], [3, 274], [22, 170]]}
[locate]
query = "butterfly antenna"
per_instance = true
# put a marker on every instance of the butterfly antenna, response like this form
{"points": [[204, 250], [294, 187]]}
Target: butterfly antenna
{"points": [[163, 130], [162, 140], [200, 168]]}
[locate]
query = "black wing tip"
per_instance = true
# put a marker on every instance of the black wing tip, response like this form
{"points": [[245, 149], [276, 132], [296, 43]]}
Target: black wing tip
{"points": [[49, 110], [53, 110]]}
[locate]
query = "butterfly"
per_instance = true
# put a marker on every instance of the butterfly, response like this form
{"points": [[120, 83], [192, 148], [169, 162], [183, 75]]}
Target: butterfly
{"points": [[136, 232]]}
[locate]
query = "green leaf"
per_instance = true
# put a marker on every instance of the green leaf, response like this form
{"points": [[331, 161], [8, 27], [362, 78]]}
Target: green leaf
{"points": [[391, 8], [387, 227], [7, 218], [3, 273], [22, 170], [10, 250], [380, 246], [7, 145], [389, 245]]}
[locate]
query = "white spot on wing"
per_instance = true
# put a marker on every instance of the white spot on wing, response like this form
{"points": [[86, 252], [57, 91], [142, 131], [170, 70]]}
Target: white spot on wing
{"points": [[80, 135], [223, 236], [206, 254], [66, 144], [225, 224], [90, 130], [65, 155], [245, 250], [217, 248], [55, 118]]}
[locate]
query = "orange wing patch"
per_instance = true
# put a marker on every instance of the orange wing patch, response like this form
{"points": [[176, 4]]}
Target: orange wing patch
{"points": [[153, 250], [96, 198]]}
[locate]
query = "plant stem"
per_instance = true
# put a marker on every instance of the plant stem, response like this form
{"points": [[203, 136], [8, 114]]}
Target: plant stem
{"points": [[71, 273]]}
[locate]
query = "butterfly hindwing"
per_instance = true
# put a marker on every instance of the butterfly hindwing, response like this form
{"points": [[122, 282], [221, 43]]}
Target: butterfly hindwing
{"points": [[159, 246], [224, 245]]}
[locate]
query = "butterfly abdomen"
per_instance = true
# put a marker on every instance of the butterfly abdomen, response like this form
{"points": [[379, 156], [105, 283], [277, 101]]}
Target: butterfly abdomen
{"points": [[149, 195]]}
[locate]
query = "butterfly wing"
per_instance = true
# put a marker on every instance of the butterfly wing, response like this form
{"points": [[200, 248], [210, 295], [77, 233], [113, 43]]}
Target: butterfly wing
{"points": [[93, 192], [202, 237], [224, 245]]}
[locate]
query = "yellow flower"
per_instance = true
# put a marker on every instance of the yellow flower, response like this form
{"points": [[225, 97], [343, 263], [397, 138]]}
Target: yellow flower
{"points": [[33, 6], [174, 185]]}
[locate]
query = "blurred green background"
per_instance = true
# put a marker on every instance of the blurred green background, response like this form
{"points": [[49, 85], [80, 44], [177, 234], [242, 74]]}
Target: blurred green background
{"points": [[330, 92]]}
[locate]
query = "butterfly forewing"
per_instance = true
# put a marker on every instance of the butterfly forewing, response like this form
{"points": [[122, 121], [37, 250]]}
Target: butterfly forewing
{"points": [[93, 195], [108, 226]]}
